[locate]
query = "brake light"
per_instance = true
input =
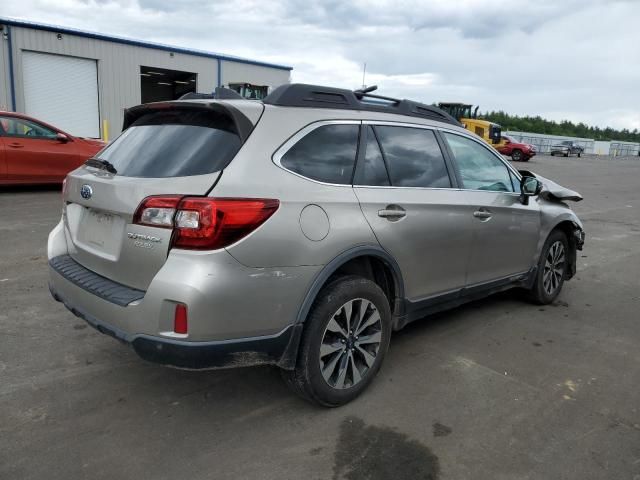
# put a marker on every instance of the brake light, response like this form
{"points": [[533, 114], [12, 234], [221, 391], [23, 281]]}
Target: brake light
{"points": [[204, 223], [211, 223]]}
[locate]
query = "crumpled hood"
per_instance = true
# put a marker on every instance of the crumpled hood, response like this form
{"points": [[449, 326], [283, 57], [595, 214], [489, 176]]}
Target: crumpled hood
{"points": [[552, 191]]}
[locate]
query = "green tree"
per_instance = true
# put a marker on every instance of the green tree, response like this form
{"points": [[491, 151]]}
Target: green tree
{"points": [[567, 128]]}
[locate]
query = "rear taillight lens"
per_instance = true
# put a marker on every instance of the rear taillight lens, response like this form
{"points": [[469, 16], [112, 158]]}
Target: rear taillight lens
{"points": [[157, 211], [203, 223], [211, 223]]}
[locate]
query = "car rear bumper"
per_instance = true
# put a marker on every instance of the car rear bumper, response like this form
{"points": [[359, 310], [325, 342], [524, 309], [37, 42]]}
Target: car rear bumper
{"points": [[278, 349], [237, 315]]}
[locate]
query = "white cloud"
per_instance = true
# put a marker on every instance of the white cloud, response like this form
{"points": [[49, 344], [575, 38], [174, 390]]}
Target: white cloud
{"points": [[575, 59]]}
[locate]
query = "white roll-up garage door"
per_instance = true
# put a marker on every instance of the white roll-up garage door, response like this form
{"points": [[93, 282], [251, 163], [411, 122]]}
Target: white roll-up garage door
{"points": [[62, 91]]}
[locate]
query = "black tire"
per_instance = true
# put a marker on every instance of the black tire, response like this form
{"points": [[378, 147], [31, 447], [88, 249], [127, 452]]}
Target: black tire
{"points": [[579, 153], [516, 155], [307, 379], [539, 293], [566, 154], [553, 154]]}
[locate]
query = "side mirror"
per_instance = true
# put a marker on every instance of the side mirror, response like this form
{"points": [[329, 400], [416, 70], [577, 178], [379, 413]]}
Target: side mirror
{"points": [[529, 187], [62, 138]]}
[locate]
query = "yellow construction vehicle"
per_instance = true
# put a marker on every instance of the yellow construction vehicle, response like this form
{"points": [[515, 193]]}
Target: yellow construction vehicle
{"points": [[490, 132]]}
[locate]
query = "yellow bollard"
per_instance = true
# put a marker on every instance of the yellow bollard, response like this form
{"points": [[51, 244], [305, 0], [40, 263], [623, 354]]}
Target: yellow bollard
{"points": [[105, 130]]}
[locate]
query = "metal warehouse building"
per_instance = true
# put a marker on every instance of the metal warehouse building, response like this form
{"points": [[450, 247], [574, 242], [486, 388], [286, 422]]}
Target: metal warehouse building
{"points": [[81, 82]]}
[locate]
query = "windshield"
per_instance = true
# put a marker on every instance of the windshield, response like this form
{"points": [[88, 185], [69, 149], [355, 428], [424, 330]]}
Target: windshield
{"points": [[175, 143]]}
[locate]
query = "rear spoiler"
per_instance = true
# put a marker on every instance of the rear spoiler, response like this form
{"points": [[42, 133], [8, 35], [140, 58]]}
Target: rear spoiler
{"points": [[243, 125]]}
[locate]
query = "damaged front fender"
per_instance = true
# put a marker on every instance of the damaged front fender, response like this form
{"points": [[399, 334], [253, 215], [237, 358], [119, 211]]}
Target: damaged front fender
{"points": [[551, 190]]}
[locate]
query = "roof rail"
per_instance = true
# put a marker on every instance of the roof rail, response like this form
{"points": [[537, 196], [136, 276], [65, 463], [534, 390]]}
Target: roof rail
{"points": [[316, 96]]}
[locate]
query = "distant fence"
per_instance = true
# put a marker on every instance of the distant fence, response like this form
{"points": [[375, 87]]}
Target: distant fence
{"points": [[544, 142]]}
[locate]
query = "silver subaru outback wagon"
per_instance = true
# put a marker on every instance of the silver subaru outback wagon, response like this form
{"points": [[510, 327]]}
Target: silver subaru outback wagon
{"points": [[299, 231]]}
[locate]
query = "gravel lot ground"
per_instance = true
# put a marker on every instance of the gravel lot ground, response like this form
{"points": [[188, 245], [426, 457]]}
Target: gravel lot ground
{"points": [[498, 389]]}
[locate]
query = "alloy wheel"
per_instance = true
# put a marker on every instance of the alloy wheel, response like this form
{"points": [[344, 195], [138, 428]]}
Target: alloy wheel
{"points": [[553, 268], [350, 343]]}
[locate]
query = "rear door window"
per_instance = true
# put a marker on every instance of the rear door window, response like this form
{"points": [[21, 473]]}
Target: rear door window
{"points": [[326, 154], [174, 143], [413, 157]]}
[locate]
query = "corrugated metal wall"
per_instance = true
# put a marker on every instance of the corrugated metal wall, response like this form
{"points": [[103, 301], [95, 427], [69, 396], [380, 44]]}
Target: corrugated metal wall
{"points": [[239, 72], [5, 89], [119, 69]]}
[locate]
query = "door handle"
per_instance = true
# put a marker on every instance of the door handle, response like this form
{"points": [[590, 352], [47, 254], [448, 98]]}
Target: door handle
{"points": [[392, 212], [16, 145], [482, 214]]}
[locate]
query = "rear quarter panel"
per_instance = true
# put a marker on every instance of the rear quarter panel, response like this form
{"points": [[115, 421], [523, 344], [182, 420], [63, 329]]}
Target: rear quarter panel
{"points": [[281, 241]]}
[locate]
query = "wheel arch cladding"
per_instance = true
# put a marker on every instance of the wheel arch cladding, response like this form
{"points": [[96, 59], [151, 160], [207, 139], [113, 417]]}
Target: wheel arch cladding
{"points": [[369, 262], [569, 227]]}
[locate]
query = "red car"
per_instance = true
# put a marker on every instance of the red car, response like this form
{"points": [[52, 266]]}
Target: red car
{"points": [[519, 152], [32, 151]]}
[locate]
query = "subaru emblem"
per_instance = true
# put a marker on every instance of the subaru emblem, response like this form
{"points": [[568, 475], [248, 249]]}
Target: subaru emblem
{"points": [[86, 192]]}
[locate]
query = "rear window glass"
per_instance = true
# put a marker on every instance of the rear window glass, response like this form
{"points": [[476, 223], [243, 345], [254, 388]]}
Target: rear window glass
{"points": [[175, 143], [327, 154]]}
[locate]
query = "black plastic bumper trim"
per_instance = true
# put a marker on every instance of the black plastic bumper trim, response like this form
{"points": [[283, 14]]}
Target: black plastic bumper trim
{"points": [[92, 282], [222, 354], [279, 349]]}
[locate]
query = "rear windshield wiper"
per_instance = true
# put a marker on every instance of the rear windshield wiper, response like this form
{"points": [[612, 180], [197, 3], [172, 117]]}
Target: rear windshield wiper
{"points": [[101, 164]]}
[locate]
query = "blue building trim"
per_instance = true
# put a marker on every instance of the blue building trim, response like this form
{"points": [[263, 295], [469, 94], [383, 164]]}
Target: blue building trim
{"points": [[12, 81], [139, 43]]}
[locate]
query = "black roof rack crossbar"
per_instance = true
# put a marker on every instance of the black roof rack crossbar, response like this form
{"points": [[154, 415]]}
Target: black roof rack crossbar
{"points": [[366, 93], [316, 96]]}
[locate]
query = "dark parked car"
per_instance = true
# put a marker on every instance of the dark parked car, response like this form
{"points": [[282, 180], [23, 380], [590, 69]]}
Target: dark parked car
{"points": [[567, 148]]}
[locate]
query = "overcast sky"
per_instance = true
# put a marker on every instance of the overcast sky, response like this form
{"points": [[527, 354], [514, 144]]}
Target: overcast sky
{"points": [[561, 59]]}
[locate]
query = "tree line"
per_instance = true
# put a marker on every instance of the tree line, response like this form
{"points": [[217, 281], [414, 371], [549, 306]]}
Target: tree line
{"points": [[564, 128]]}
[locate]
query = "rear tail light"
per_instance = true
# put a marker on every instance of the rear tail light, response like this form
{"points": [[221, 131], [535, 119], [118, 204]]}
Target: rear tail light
{"points": [[157, 211], [180, 320], [203, 223]]}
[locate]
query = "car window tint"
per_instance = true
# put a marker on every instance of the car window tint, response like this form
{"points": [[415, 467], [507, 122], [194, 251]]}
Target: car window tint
{"points": [[174, 143], [479, 168], [326, 154], [371, 170], [413, 157], [18, 127]]}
